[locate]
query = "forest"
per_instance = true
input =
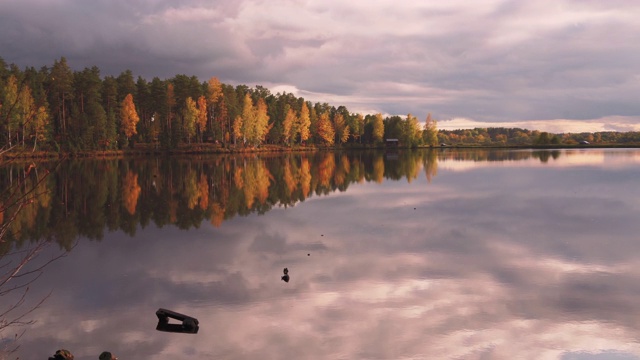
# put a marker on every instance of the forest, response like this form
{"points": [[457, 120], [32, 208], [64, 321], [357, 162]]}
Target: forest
{"points": [[56, 109]]}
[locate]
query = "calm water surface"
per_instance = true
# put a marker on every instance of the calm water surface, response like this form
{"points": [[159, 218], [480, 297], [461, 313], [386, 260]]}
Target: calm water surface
{"points": [[415, 255]]}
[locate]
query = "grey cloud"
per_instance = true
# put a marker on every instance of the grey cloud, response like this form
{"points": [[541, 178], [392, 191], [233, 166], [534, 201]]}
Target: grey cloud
{"points": [[502, 61]]}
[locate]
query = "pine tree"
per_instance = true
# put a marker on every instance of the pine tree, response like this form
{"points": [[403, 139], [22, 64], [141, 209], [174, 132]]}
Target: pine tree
{"points": [[61, 93], [171, 103]]}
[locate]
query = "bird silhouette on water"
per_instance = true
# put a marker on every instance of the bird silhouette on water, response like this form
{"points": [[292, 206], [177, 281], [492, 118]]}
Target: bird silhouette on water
{"points": [[285, 277]]}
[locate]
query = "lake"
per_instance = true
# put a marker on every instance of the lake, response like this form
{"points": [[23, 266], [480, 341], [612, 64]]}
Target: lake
{"points": [[431, 254]]}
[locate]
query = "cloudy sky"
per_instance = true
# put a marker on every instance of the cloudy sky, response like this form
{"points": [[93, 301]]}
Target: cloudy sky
{"points": [[557, 65]]}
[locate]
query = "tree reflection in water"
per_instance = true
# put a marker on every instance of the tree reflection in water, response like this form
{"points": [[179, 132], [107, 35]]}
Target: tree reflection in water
{"points": [[25, 191], [86, 197]]}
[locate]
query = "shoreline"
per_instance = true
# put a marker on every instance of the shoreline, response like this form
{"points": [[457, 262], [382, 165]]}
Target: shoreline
{"points": [[204, 150]]}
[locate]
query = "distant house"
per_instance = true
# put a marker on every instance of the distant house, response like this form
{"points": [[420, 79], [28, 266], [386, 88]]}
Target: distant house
{"points": [[392, 143], [584, 142]]}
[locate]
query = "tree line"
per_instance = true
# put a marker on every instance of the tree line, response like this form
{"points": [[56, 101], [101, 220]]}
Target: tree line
{"points": [[55, 108], [523, 137]]}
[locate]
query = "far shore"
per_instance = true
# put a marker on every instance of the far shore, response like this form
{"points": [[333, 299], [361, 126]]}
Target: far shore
{"points": [[200, 149]]}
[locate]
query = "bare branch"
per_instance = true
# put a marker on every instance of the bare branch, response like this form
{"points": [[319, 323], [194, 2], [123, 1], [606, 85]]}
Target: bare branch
{"points": [[19, 267]]}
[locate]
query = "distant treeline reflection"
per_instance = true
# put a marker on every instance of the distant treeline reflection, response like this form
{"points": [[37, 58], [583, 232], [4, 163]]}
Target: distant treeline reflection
{"points": [[83, 198], [501, 155]]}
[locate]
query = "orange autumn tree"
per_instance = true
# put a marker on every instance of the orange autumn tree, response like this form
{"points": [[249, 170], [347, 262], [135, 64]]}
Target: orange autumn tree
{"points": [[290, 120], [340, 127], [262, 122], [325, 129], [129, 117], [215, 90], [304, 123]]}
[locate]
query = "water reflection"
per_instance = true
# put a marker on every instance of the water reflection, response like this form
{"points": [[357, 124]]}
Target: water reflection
{"points": [[517, 258], [86, 197]]}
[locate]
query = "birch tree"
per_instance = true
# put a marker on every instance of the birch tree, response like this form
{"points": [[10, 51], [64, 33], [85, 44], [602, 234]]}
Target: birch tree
{"points": [[202, 116], [430, 131], [190, 117]]}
